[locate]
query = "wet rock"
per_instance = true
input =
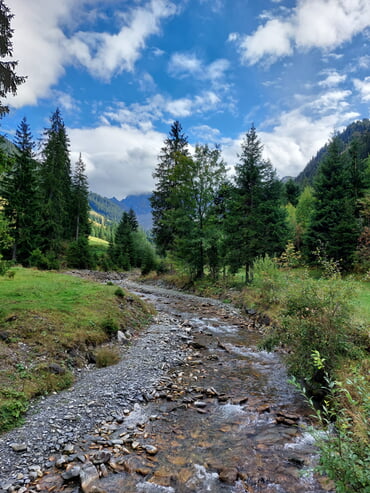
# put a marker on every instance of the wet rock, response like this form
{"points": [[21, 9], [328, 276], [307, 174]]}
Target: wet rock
{"points": [[287, 419], [151, 449], [228, 475]]}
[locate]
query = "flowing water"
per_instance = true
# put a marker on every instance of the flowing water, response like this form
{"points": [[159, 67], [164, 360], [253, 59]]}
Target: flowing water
{"points": [[226, 420]]}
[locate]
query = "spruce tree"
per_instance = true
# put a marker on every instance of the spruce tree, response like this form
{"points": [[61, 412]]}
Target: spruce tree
{"points": [[334, 227], [80, 200], [255, 222], [175, 147], [56, 185], [9, 80], [20, 191], [122, 250]]}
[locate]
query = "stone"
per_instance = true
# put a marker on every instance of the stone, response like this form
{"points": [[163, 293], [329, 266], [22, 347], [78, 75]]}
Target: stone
{"points": [[228, 475], [151, 449], [101, 457], [19, 447], [88, 476], [122, 338], [72, 473]]}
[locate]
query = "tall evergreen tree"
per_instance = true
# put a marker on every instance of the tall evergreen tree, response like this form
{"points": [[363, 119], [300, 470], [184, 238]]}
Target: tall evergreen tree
{"points": [[122, 251], [20, 191], [56, 186], [333, 226], [256, 220], [80, 200], [175, 147], [9, 80]]}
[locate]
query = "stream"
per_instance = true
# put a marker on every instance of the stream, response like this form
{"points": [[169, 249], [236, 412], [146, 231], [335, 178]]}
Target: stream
{"points": [[222, 419]]}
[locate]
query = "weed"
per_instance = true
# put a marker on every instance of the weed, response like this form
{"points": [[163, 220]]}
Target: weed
{"points": [[119, 293], [106, 356], [110, 326]]}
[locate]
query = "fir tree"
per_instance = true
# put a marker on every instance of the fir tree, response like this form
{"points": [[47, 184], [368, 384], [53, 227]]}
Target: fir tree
{"points": [[255, 221], [175, 147], [20, 191], [80, 200], [56, 186], [9, 80], [333, 226]]}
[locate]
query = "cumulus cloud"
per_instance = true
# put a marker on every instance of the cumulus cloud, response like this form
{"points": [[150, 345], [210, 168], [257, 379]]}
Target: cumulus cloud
{"points": [[105, 54], [363, 87], [323, 24], [119, 160], [44, 50]]}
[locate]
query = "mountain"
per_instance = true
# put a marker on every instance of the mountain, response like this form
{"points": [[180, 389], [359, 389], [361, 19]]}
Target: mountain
{"points": [[359, 130], [113, 208]]}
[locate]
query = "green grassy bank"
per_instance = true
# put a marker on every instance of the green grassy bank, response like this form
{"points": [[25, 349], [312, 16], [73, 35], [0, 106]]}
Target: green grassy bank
{"points": [[50, 324]]}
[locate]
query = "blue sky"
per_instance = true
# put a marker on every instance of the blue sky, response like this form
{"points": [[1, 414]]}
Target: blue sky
{"points": [[122, 71]]}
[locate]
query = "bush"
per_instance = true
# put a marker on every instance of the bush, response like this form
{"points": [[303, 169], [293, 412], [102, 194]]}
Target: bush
{"points": [[12, 406], [267, 279], [110, 326], [316, 317], [119, 293], [79, 254], [43, 261]]}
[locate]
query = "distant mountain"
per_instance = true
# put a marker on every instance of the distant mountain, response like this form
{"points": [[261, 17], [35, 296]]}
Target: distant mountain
{"points": [[113, 208], [359, 130]]}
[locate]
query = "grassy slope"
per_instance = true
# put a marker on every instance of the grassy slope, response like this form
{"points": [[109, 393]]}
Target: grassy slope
{"points": [[49, 324]]}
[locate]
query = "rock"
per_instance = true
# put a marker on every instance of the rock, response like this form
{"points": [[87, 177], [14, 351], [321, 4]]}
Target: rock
{"points": [[72, 473], [228, 475], [122, 337], [151, 449], [101, 457], [200, 404], [19, 447], [56, 369], [88, 475]]}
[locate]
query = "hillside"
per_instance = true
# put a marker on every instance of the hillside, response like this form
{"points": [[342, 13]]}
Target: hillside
{"points": [[359, 130], [113, 208]]}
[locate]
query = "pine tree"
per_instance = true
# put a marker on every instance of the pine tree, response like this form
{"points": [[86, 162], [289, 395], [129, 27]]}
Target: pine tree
{"points": [[20, 191], [122, 251], [9, 80], [175, 146], [255, 221], [56, 186], [333, 227], [80, 200]]}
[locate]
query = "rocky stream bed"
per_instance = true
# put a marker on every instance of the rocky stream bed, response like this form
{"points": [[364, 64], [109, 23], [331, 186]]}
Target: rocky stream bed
{"points": [[192, 406]]}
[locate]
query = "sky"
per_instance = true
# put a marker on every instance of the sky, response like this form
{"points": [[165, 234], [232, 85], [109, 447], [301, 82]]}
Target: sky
{"points": [[122, 71]]}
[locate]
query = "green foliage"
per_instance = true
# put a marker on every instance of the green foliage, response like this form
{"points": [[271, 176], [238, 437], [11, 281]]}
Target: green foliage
{"points": [[291, 257], [119, 293], [175, 148], [316, 317], [267, 279], [44, 261], [13, 405], [79, 254], [110, 326], [255, 220], [9, 79], [344, 450], [333, 225]]}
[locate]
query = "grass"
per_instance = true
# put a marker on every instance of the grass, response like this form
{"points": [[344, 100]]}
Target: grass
{"points": [[49, 324], [98, 246]]}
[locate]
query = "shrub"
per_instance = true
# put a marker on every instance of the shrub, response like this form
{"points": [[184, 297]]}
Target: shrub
{"points": [[106, 356], [110, 326], [267, 279], [119, 293], [12, 406], [316, 317]]}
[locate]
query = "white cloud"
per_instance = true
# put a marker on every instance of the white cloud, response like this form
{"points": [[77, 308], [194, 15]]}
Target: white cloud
{"points": [[363, 87], [189, 65], [323, 24], [119, 160], [44, 50], [105, 54], [333, 78]]}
